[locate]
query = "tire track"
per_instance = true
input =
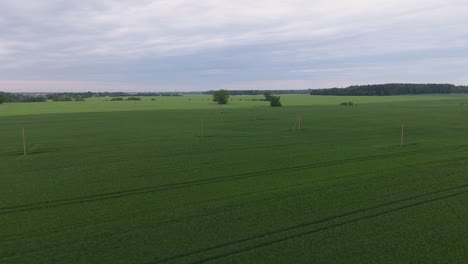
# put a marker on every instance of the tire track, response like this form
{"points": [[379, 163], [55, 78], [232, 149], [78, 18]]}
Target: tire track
{"points": [[144, 190], [165, 187], [363, 218], [111, 159], [426, 199]]}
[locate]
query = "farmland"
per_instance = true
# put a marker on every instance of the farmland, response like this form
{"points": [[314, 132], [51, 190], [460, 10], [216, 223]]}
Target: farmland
{"points": [[183, 180]]}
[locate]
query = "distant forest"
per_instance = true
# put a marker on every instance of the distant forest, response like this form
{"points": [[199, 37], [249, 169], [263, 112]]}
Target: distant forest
{"points": [[392, 89], [262, 92], [356, 90], [43, 97]]}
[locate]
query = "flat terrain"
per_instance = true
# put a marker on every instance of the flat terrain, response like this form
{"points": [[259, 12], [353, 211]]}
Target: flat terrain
{"points": [[182, 180], [198, 102]]}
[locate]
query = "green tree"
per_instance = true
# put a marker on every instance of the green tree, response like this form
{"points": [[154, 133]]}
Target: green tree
{"points": [[275, 101], [221, 96], [268, 96], [2, 98]]}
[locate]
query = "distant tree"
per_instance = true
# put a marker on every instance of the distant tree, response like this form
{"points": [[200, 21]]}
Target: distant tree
{"points": [[3, 98], [392, 89], [21, 98], [33, 99], [262, 92], [221, 96], [268, 96], [62, 98], [133, 99], [275, 101], [117, 99]]}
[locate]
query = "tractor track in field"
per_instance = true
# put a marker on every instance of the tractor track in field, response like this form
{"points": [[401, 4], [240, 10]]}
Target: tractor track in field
{"points": [[165, 187], [111, 160], [307, 228]]}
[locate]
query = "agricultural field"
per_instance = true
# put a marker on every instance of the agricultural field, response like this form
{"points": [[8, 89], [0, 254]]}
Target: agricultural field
{"points": [[183, 180]]}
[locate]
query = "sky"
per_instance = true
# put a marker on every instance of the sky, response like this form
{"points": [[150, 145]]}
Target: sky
{"points": [[199, 45]]}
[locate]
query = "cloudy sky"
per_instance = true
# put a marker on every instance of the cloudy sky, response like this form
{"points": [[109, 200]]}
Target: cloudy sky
{"points": [[182, 45]]}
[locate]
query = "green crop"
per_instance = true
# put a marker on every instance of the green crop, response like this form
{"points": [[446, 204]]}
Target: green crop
{"points": [[174, 180]]}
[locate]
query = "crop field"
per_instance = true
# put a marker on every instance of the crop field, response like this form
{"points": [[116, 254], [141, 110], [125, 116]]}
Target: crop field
{"points": [[183, 180]]}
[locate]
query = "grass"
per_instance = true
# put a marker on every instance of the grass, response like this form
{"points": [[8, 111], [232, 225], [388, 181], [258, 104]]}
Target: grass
{"points": [[107, 182], [195, 102]]}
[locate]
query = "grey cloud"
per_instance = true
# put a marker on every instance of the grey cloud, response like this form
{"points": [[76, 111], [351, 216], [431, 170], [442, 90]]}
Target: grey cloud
{"points": [[209, 43]]}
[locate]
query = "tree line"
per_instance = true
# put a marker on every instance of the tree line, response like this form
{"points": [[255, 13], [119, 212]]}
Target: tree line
{"points": [[123, 94], [392, 89], [261, 92], [222, 97], [2, 98], [13, 97], [59, 97], [42, 97]]}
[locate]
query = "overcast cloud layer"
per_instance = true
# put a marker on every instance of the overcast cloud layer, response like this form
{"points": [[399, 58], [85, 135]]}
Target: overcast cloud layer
{"points": [[142, 45]]}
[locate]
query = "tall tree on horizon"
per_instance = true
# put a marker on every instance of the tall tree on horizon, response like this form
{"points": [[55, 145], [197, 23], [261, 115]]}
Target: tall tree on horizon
{"points": [[221, 96]]}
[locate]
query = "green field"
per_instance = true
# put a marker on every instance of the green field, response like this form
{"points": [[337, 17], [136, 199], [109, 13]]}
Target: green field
{"points": [[182, 180], [198, 102]]}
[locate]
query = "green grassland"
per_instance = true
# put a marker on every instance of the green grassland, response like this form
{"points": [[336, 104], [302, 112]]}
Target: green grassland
{"points": [[103, 104], [182, 180]]}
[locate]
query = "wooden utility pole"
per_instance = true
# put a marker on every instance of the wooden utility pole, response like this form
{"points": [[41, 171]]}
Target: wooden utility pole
{"points": [[24, 143], [297, 122], [402, 143]]}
